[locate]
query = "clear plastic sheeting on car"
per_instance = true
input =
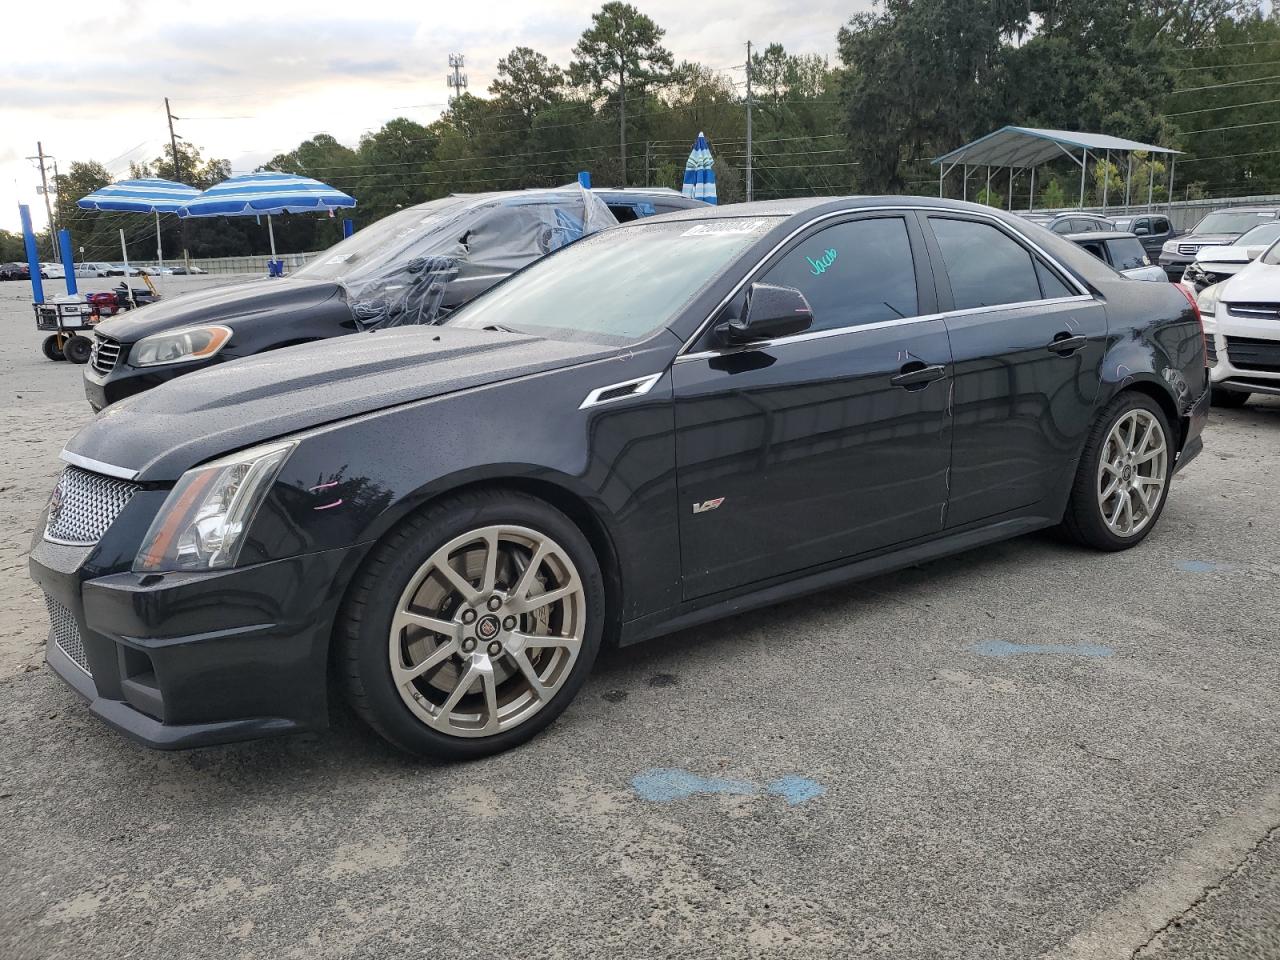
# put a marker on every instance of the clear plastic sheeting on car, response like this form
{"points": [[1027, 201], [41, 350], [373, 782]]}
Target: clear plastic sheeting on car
{"points": [[415, 266]]}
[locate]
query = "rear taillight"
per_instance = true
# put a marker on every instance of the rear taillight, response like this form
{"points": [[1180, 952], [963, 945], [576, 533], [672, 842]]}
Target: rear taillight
{"points": [[1191, 299]]}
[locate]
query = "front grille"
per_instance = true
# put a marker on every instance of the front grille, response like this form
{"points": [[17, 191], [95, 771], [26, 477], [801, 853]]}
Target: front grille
{"points": [[105, 353], [1255, 311], [1250, 354], [66, 633], [1189, 249], [84, 505]]}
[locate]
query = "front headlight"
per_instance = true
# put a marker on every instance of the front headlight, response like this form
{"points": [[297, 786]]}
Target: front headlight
{"points": [[1169, 246], [204, 522], [1207, 301], [175, 346]]}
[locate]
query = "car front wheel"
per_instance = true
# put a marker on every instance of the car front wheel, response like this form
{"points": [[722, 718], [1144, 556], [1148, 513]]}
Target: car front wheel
{"points": [[1123, 479], [472, 626]]}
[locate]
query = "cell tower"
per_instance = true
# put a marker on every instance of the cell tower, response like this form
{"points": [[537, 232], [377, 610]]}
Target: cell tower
{"points": [[457, 80]]}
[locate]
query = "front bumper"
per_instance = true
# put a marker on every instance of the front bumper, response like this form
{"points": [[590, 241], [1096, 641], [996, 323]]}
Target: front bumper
{"points": [[1228, 370], [104, 389], [182, 660]]}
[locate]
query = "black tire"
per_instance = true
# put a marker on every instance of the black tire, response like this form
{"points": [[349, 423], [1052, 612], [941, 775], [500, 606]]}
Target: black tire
{"points": [[51, 348], [1083, 521], [1230, 399], [363, 627], [77, 349]]}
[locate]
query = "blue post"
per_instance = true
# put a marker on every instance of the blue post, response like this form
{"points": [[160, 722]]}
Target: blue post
{"points": [[584, 179], [33, 258], [68, 261], [348, 227]]}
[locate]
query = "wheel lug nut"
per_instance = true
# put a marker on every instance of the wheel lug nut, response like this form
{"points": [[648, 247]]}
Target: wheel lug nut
{"points": [[468, 616], [509, 623], [468, 645], [495, 603], [495, 648]]}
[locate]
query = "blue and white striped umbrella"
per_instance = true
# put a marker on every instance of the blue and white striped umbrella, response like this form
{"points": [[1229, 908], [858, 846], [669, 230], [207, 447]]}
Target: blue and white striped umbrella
{"points": [[700, 172], [266, 193], [151, 195]]}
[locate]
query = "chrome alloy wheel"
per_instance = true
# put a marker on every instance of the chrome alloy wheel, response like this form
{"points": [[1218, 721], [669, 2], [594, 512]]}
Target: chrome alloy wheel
{"points": [[487, 631], [1131, 472]]}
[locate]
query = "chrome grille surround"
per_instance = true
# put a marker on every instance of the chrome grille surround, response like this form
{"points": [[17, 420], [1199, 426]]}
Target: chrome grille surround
{"points": [[105, 353], [66, 633], [1255, 311], [84, 505]]}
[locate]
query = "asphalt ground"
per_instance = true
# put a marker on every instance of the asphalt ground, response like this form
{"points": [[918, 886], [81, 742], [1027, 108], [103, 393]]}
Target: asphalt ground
{"points": [[1030, 750]]}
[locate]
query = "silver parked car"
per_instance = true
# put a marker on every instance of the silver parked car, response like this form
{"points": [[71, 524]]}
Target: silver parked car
{"points": [[1122, 251]]}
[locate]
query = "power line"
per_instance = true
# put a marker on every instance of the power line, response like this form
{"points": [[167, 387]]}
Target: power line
{"points": [[1222, 86], [1229, 156], [1226, 106], [1238, 126]]}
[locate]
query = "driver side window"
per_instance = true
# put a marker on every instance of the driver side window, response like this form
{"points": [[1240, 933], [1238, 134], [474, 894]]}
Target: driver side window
{"points": [[852, 273]]}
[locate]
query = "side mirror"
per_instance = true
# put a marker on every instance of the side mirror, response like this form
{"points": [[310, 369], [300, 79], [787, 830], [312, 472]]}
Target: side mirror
{"points": [[771, 312], [1253, 253], [1142, 232]]}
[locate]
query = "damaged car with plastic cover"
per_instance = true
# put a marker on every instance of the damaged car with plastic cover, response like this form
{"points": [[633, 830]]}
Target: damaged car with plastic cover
{"points": [[413, 267]]}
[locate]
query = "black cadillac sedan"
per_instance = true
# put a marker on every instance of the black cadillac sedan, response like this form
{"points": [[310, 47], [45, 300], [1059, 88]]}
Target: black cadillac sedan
{"points": [[653, 427]]}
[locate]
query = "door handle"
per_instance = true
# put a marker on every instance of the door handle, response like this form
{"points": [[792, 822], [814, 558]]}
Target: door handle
{"points": [[1064, 343], [917, 375]]}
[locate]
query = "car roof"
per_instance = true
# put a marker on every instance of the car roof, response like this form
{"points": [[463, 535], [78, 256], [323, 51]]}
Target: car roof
{"points": [[1255, 209], [1102, 235]]}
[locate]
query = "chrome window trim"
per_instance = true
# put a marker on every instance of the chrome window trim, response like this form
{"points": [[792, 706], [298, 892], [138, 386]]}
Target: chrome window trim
{"points": [[878, 325], [98, 466], [641, 385], [955, 214]]}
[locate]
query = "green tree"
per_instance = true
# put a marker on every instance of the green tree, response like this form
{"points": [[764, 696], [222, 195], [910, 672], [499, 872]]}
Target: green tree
{"points": [[527, 83], [621, 50], [920, 78]]}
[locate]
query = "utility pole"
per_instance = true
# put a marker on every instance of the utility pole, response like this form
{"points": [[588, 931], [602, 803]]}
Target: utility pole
{"points": [[622, 121], [749, 190], [173, 140], [456, 81], [41, 157], [177, 175]]}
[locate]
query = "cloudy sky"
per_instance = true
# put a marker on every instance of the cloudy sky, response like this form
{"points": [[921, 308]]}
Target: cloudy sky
{"points": [[251, 78]]}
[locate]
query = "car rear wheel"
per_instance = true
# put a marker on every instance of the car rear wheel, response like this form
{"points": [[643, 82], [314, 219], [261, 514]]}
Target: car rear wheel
{"points": [[1231, 399], [77, 349], [1123, 479], [472, 626]]}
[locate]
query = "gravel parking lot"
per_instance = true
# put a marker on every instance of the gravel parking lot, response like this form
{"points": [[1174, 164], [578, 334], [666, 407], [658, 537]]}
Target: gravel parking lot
{"points": [[1028, 751]]}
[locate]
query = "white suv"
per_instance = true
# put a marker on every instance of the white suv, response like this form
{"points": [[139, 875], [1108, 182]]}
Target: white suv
{"points": [[1242, 329]]}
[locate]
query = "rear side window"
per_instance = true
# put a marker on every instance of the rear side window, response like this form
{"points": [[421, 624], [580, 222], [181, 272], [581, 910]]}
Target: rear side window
{"points": [[1064, 226], [986, 266], [1127, 253], [1160, 225], [852, 273]]}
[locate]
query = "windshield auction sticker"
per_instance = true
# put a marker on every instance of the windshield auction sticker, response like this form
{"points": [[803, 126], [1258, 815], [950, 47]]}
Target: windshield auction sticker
{"points": [[719, 228]]}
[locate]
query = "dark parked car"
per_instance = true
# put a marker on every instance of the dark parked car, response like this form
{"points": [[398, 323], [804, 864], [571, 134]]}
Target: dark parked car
{"points": [[692, 416], [1123, 252], [15, 271], [637, 203], [1222, 227], [1153, 229], [412, 267], [1071, 222]]}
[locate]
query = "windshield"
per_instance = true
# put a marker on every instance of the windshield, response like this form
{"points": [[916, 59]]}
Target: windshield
{"points": [[389, 239], [1262, 236], [616, 287], [1228, 221]]}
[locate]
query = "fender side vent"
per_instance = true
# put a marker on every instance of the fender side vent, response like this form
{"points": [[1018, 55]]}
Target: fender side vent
{"points": [[620, 391]]}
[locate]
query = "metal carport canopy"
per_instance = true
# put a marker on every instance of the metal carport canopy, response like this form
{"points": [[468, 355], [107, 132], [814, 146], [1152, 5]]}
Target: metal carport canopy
{"points": [[1023, 147]]}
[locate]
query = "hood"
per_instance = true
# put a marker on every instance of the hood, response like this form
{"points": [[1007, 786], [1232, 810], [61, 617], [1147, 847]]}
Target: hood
{"points": [[220, 305], [162, 432], [1210, 238], [1257, 283], [1228, 254]]}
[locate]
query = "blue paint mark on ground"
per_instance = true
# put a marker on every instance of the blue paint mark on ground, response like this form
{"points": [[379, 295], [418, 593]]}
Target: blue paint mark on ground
{"points": [[1201, 566], [1002, 648], [668, 784], [796, 789]]}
